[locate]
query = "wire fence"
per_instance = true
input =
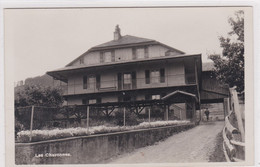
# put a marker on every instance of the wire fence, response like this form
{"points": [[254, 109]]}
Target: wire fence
{"points": [[46, 118]]}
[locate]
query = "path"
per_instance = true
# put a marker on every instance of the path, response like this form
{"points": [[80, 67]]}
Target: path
{"points": [[194, 145]]}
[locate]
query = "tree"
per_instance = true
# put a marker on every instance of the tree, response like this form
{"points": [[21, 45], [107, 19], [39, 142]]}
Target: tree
{"points": [[38, 95], [229, 67]]}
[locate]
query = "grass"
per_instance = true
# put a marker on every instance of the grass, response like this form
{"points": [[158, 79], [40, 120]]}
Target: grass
{"points": [[218, 154]]}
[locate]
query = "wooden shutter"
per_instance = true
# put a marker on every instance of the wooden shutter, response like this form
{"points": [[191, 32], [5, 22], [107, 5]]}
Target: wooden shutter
{"points": [[146, 55], [84, 101], [147, 97], [113, 55], [147, 76], [134, 53], [133, 76], [120, 98], [85, 82], [101, 57], [162, 75], [119, 81], [97, 81], [98, 100]]}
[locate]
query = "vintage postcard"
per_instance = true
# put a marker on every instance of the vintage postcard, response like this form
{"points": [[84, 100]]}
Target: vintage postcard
{"points": [[142, 86]]}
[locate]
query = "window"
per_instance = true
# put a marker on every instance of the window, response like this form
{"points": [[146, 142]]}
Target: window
{"points": [[107, 57], [91, 81], [127, 82], [127, 78], [155, 76], [81, 61], [92, 101], [140, 53], [156, 97]]}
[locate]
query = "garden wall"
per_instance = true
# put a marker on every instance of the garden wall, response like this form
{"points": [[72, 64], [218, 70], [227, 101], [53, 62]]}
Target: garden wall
{"points": [[91, 149]]}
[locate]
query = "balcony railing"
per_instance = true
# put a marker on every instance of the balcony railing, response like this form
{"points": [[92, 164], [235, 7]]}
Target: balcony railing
{"points": [[138, 83]]}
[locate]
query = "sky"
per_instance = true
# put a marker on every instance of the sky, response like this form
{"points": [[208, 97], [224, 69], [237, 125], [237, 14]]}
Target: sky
{"points": [[42, 40]]}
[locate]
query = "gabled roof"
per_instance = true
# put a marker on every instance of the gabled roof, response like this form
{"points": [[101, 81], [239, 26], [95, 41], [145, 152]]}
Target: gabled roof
{"points": [[124, 40], [179, 92], [85, 66]]}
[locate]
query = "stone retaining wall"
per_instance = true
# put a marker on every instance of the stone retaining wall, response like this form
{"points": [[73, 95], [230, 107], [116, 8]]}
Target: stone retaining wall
{"points": [[91, 149]]}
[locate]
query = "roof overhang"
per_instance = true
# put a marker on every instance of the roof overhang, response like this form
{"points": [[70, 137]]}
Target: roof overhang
{"points": [[59, 73]]}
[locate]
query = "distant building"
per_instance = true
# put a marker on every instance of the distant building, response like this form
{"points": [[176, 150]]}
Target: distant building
{"points": [[134, 69]]}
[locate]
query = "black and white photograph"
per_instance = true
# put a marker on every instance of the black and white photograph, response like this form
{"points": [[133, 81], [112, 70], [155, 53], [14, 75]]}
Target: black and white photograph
{"points": [[130, 85]]}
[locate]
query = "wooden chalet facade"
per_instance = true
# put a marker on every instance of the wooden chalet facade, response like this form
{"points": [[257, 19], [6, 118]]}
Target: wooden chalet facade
{"points": [[135, 70]]}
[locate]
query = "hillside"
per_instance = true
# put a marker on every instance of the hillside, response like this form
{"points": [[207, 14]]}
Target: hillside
{"points": [[44, 80]]}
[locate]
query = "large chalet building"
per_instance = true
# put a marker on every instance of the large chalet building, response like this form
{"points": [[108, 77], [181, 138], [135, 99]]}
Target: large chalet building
{"points": [[134, 69]]}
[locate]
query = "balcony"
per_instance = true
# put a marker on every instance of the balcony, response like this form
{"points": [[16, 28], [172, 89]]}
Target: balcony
{"points": [[138, 83]]}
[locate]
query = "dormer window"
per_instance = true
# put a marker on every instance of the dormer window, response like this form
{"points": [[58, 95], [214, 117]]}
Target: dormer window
{"points": [[140, 53], [81, 61], [107, 57]]}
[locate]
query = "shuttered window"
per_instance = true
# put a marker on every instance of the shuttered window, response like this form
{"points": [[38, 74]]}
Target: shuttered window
{"points": [[127, 78], [155, 76]]}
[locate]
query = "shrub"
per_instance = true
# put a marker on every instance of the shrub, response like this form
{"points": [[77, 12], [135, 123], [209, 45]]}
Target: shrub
{"points": [[41, 135], [130, 118], [18, 127]]}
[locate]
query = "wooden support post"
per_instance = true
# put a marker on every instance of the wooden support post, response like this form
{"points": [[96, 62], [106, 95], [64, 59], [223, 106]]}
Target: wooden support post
{"points": [[87, 119], [194, 111], [180, 115], [167, 114], [149, 115], [31, 125], [124, 117]]}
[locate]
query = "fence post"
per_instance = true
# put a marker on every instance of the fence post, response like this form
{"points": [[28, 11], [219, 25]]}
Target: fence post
{"points": [[124, 117], [87, 119], [31, 125], [237, 112], [149, 116]]}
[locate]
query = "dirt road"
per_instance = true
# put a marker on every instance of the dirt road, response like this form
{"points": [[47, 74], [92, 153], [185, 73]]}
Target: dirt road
{"points": [[194, 145]]}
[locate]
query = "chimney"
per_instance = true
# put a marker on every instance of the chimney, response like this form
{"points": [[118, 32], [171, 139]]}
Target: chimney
{"points": [[117, 34]]}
